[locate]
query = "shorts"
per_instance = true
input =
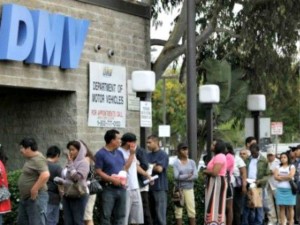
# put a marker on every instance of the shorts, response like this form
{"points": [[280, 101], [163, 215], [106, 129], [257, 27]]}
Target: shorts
{"points": [[88, 213]]}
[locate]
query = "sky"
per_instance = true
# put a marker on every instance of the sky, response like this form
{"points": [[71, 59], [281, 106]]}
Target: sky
{"points": [[162, 32]]}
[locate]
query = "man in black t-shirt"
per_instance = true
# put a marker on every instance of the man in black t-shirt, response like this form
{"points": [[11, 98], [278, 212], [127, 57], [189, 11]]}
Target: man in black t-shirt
{"points": [[53, 154]]}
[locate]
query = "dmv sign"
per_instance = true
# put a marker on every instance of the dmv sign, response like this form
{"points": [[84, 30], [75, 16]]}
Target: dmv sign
{"points": [[40, 37]]}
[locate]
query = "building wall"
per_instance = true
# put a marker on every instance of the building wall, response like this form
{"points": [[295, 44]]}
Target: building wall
{"points": [[60, 115]]}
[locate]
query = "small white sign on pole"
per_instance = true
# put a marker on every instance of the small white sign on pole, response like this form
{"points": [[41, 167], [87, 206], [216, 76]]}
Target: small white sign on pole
{"points": [[164, 130], [133, 103], [264, 127], [276, 128], [145, 114]]}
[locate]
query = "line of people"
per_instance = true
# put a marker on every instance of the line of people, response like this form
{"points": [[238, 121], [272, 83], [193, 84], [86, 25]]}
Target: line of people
{"points": [[140, 197], [44, 184]]}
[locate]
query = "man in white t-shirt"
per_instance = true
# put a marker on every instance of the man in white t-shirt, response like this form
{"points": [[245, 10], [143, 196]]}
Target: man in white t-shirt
{"points": [[273, 163], [134, 207]]}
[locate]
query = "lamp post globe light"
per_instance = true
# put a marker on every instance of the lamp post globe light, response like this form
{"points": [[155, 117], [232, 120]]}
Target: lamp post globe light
{"points": [[209, 95], [256, 103], [143, 83]]}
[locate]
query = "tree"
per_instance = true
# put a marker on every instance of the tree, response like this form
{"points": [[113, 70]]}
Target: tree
{"points": [[261, 37], [259, 41]]}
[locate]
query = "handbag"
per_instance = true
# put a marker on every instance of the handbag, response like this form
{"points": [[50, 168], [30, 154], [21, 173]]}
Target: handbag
{"points": [[74, 189], [294, 187], [94, 186], [93, 183], [238, 183], [178, 197], [4, 193]]}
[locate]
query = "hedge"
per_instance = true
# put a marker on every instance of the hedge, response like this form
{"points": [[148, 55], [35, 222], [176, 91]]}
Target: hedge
{"points": [[10, 218]]}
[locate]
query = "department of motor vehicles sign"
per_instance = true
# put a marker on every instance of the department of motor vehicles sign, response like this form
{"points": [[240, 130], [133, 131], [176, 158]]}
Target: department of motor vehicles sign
{"points": [[107, 97]]}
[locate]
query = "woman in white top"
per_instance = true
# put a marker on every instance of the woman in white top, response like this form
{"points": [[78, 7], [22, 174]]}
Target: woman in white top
{"points": [[284, 197]]}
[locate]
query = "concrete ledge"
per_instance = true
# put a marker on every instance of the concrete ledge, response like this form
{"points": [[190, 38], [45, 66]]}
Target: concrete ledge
{"points": [[134, 8]]}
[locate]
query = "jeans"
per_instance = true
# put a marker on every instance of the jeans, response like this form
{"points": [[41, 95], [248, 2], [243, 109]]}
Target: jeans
{"points": [[52, 214], [74, 210], [33, 212], [253, 216], [113, 205], [146, 208], [158, 207]]}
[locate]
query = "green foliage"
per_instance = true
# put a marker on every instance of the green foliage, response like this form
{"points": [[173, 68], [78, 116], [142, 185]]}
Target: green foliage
{"points": [[13, 177], [175, 107]]}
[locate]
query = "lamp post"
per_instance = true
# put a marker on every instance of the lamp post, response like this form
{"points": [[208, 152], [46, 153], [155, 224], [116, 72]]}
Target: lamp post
{"points": [[191, 79], [209, 95], [256, 104], [143, 83]]}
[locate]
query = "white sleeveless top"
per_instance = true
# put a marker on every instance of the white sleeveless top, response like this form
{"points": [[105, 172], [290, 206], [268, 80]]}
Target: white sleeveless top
{"points": [[284, 172]]}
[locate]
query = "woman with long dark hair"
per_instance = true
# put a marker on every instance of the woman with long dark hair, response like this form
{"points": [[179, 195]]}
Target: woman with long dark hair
{"points": [[216, 188], [88, 213], [5, 206], [284, 196]]}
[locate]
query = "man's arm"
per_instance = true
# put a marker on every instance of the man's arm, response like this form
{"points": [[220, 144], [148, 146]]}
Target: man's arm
{"points": [[143, 172], [42, 180], [243, 172], [161, 164]]}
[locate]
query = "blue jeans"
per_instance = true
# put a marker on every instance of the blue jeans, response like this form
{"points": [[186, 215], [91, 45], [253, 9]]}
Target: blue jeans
{"points": [[74, 210], [33, 212], [158, 207], [113, 205], [52, 214], [252, 216]]}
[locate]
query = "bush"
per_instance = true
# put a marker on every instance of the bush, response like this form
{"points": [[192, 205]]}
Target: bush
{"points": [[10, 218], [13, 177]]}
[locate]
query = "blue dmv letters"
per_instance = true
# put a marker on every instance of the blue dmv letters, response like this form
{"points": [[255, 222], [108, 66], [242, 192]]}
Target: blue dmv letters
{"points": [[36, 36]]}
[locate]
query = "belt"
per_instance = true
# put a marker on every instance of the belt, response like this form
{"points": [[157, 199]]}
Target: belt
{"points": [[109, 184]]}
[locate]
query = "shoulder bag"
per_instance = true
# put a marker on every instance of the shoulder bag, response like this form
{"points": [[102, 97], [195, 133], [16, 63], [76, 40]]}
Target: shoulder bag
{"points": [[93, 183], [294, 186], [177, 195]]}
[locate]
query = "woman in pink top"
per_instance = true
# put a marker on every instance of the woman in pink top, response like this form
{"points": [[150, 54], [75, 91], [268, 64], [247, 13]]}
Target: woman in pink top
{"points": [[215, 191], [229, 195]]}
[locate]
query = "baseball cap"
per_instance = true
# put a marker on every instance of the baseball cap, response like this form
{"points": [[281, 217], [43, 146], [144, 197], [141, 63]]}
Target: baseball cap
{"points": [[128, 137], [270, 151], [293, 148], [181, 146]]}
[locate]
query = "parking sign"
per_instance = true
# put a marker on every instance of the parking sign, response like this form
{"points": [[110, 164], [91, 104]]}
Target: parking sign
{"points": [[276, 128]]}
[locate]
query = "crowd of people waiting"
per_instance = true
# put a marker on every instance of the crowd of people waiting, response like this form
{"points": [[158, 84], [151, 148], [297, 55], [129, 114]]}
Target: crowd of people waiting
{"points": [[134, 184]]}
